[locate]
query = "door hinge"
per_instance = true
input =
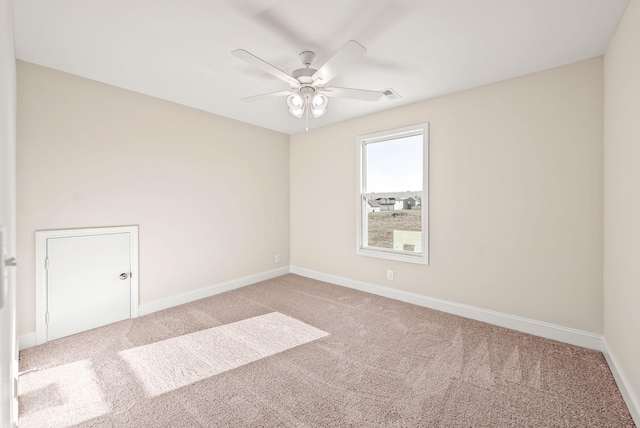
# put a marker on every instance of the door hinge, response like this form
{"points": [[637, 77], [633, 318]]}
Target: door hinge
{"points": [[46, 318], [46, 264]]}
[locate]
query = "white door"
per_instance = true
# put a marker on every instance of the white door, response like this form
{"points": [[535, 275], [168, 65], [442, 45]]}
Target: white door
{"points": [[8, 351], [88, 282]]}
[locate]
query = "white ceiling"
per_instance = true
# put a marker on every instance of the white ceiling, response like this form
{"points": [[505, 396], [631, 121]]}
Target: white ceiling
{"points": [[180, 50]]}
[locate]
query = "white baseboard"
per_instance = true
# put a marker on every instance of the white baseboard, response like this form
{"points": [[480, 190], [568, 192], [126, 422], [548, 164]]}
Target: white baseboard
{"points": [[627, 391], [539, 328], [201, 293], [26, 341], [514, 322]]}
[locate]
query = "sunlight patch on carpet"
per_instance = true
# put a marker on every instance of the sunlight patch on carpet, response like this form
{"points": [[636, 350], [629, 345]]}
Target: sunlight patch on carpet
{"points": [[62, 396], [180, 361]]}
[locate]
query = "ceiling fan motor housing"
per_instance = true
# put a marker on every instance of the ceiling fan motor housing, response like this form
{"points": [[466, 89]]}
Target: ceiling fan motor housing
{"points": [[304, 75]]}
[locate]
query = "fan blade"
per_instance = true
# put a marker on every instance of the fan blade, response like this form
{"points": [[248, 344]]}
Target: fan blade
{"points": [[347, 55], [356, 94], [265, 96], [276, 20], [265, 66], [284, 28], [377, 18]]}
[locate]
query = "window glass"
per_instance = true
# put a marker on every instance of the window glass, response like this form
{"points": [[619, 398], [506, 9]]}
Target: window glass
{"points": [[394, 165]]}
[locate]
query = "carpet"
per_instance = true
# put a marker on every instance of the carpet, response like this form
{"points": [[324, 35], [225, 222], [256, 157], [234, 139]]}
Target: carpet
{"points": [[170, 364], [295, 352]]}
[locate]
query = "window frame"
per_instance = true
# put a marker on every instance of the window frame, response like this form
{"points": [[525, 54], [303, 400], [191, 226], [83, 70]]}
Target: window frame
{"points": [[361, 196]]}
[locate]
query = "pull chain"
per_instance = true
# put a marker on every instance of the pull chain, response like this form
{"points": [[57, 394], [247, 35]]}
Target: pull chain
{"points": [[307, 112]]}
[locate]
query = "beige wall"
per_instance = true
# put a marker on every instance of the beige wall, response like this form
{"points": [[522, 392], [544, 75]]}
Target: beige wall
{"points": [[210, 195], [622, 195], [516, 193], [516, 190]]}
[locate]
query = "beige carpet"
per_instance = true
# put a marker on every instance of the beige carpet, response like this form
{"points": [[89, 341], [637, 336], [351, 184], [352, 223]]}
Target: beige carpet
{"points": [[294, 352], [170, 364]]}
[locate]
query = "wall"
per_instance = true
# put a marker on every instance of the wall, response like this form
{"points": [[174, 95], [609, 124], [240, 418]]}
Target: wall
{"points": [[516, 193], [622, 197], [210, 195]]}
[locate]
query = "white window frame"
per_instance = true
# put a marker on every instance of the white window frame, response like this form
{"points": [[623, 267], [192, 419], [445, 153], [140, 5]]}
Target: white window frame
{"points": [[362, 248]]}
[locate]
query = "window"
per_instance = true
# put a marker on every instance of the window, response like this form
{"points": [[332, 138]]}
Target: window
{"points": [[392, 194]]}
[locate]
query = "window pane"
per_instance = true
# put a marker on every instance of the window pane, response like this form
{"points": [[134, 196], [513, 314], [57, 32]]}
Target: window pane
{"points": [[394, 165], [395, 223]]}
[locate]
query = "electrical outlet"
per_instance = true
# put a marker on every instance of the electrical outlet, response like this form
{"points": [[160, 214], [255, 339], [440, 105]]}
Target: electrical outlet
{"points": [[277, 258], [390, 275]]}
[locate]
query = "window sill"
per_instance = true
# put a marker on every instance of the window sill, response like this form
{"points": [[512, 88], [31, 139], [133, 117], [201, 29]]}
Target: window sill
{"points": [[398, 256]]}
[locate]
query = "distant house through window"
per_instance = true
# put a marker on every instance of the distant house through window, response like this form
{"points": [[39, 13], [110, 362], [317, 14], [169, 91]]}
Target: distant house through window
{"points": [[392, 194]]}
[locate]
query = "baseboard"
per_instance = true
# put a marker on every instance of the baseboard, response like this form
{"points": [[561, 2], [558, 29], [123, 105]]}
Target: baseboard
{"points": [[539, 328], [514, 322], [627, 391], [26, 341], [201, 293]]}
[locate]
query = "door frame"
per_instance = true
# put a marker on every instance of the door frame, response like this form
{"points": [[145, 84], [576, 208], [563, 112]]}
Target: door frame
{"points": [[41, 272]]}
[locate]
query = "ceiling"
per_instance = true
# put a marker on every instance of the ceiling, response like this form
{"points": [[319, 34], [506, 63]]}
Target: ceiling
{"points": [[180, 50]]}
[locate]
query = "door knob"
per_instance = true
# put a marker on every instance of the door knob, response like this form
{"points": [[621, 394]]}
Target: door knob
{"points": [[124, 276]]}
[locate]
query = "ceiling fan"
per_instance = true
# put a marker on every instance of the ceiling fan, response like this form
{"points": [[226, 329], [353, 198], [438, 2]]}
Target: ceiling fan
{"points": [[308, 92]]}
